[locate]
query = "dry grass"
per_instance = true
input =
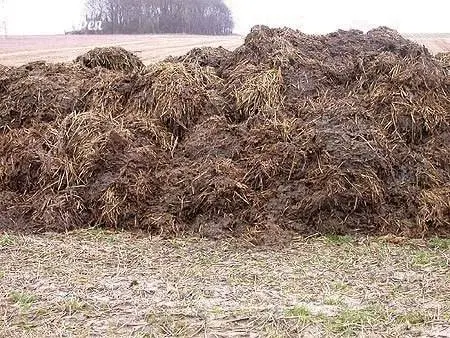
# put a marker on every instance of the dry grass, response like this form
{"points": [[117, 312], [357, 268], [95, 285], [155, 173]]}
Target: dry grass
{"points": [[174, 93], [117, 284], [444, 58], [253, 91]]}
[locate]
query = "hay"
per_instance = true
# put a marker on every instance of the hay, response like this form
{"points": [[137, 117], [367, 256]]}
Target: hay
{"points": [[406, 96], [253, 91], [3, 78], [175, 93], [81, 143], [444, 58], [111, 91], [435, 208], [342, 133], [112, 58]]}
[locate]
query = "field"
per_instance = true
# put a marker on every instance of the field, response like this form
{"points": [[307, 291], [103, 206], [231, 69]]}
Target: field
{"points": [[61, 48], [97, 283], [150, 48], [235, 200], [436, 43]]}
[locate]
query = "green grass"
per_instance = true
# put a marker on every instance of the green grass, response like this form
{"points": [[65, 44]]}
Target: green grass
{"points": [[446, 316], [6, 240], [217, 310], [413, 318], [167, 326], [333, 301], [422, 259], [338, 239], [340, 286], [347, 322], [439, 243], [73, 306], [350, 321], [100, 235], [300, 312], [23, 299]]}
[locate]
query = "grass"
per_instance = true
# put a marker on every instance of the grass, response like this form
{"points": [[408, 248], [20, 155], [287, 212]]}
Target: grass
{"points": [[439, 243], [338, 239], [102, 283], [422, 259], [446, 316], [301, 312], [426, 258], [414, 317], [168, 326], [333, 301], [6, 241], [351, 321], [346, 321], [22, 299], [340, 286], [217, 310], [73, 306]]}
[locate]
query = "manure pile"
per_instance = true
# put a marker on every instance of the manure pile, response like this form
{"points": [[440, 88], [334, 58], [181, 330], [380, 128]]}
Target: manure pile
{"points": [[342, 133]]}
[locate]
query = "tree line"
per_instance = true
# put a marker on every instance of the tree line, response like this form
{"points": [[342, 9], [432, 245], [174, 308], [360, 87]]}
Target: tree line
{"points": [[209, 17]]}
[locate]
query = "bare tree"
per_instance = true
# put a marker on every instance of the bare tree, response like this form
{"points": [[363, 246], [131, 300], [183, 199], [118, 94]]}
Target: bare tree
{"points": [[210, 17]]}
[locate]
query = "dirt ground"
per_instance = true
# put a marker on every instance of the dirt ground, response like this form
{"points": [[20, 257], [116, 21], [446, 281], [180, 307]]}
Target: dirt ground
{"points": [[94, 283], [17, 50], [436, 43]]}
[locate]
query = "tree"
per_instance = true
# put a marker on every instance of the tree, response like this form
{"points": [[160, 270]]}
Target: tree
{"points": [[211, 17]]}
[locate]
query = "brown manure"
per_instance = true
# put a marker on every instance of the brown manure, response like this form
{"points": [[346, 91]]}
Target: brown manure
{"points": [[445, 59], [177, 94], [342, 133], [205, 57], [112, 58], [40, 92]]}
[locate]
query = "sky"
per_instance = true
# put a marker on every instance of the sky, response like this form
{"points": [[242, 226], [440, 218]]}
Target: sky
{"points": [[312, 16]]}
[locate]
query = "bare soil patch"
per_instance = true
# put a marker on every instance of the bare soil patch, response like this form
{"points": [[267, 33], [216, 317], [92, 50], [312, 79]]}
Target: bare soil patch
{"points": [[96, 283], [436, 43], [19, 50]]}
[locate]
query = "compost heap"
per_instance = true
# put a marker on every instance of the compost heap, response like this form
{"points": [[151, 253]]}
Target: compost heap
{"points": [[290, 133], [114, 58]]}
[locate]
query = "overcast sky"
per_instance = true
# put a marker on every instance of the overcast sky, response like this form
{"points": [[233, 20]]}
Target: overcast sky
{"points": [[313, 16]]}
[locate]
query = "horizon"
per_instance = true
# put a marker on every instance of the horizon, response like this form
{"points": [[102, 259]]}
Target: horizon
{"points": [[39, 19]]}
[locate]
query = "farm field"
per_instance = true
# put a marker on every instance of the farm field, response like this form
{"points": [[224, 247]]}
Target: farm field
{"points": [[94, 283], [17, 50], [436, 43], [250, 213], [61, 48]]}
